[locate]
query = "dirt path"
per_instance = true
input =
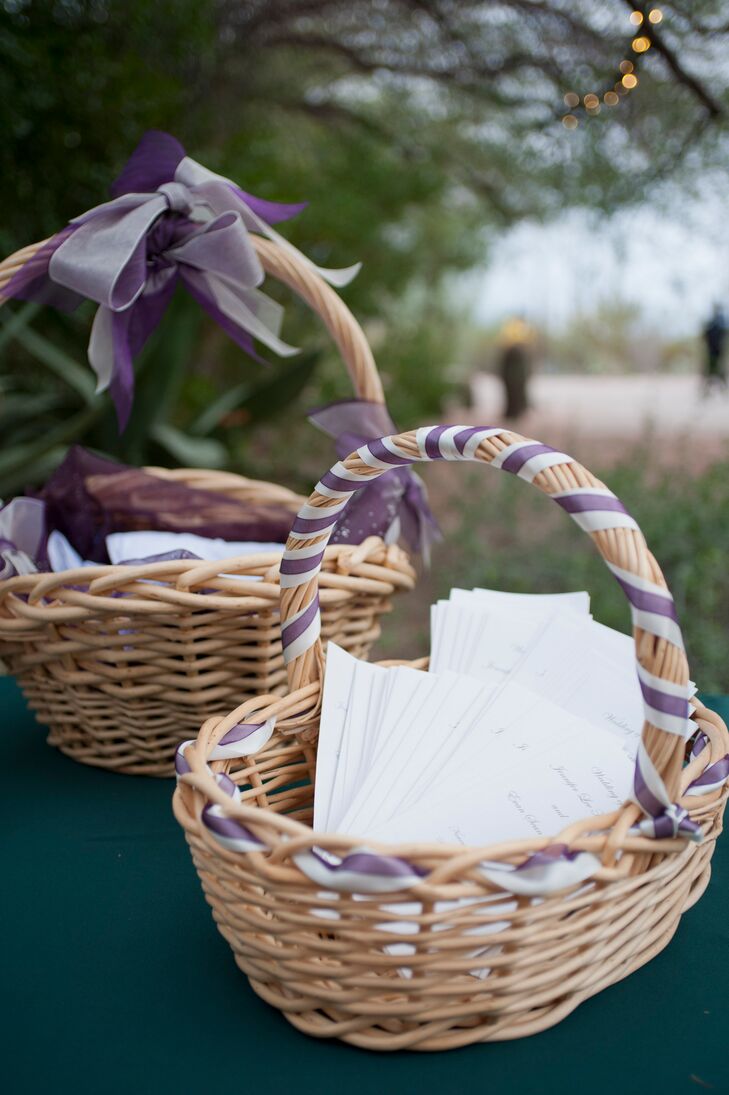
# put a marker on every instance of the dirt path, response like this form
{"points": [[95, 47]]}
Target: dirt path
{"points": [[600, 417]]}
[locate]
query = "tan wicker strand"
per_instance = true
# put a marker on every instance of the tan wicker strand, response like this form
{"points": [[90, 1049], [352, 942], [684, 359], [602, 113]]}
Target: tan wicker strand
{"points": [[483, 965], [121, 664]]}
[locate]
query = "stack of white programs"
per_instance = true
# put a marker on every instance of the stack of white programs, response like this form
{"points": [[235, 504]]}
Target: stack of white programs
{"points": [[528, 719]]}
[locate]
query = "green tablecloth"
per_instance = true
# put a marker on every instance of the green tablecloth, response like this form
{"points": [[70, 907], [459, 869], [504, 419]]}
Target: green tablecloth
{"points": [[116, 980]]}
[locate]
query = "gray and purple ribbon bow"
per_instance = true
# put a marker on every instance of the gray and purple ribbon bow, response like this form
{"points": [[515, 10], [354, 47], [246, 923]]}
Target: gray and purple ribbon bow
{"points": [[170, 220], [393, 506]]}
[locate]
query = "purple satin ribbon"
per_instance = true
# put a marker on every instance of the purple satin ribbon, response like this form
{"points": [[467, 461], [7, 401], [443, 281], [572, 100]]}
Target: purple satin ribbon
{"points": [[169, 220], [667, 819], [155, 161], [395, 504]]}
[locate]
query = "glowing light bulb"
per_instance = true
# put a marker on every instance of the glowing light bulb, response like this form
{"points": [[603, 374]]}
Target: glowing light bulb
{"points": [[630, 81], [655, 15], [636, 18], [611, 98], [570, 122], [641, 44], [572, 99], [625, 66], [591, 101]]}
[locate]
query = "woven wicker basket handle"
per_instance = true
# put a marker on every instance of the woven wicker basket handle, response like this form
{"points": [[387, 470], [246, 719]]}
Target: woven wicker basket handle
{"points": [[662, 667], [293, 271]]}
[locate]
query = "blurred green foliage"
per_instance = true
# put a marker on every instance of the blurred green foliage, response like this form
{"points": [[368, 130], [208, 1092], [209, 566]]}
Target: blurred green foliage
{"points": [[79, 84], [414, 130]]}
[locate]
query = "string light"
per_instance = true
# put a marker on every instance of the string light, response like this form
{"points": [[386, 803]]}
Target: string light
{"points": [[628, 78]]}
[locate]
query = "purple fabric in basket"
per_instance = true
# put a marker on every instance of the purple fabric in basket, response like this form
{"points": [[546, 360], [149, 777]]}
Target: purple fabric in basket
{"points": [[90, 496]]}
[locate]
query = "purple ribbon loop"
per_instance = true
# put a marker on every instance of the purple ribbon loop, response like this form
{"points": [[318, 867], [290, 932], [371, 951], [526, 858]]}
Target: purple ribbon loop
{"points": [[712, 777], [664, 819], [393, 505], [170, 220]]}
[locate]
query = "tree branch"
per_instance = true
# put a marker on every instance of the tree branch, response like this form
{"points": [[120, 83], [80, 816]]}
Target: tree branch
{"points": [[679, 72]]}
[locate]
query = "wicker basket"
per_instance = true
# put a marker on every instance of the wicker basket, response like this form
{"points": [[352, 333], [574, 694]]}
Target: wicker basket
{"points": [[122, 689], [307, 915]]}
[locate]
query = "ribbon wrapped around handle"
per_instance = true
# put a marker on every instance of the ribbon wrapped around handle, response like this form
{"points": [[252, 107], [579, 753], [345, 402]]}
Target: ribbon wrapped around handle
{"points": [[170, 219], [588, 502]]}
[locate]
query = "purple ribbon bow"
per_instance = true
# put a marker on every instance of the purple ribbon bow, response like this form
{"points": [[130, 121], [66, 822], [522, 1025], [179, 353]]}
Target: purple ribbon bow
{"points": [[713, 776], [395, 504], [170, 220]]}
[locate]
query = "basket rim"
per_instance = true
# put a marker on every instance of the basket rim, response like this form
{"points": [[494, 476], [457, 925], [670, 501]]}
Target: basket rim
{"points": [[607, 836], [372, 567]]}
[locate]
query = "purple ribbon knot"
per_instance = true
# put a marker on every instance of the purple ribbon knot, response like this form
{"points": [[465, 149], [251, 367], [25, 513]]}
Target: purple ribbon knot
{"points": [[671, 822], [170, 220]]}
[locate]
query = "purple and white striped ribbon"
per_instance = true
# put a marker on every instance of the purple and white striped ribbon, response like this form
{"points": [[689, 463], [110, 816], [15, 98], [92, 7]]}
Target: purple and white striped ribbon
{"points": [[359, 871], [593, 508], [551, 869], [666, 703], [362, 871], [714, 776], [242, 740], [651, 606], [664, 819]]}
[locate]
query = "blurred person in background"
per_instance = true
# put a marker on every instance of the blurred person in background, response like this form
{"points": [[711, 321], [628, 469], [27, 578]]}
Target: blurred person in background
{"points": [[714, 335], [516, 343]]}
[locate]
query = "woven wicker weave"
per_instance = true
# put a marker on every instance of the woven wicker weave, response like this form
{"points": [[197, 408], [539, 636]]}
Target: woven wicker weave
{"points": [[121, 689], [325, 958]]}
